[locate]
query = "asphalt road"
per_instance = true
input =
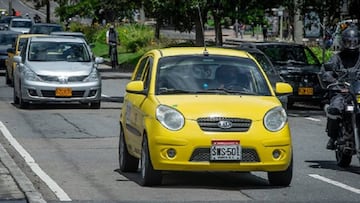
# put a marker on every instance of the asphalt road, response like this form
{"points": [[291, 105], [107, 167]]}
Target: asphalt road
{"points": [[25, 6], [76, 148]]}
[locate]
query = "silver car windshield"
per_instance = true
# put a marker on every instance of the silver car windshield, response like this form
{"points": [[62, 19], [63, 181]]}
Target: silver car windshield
{"points": [[58, 51]]}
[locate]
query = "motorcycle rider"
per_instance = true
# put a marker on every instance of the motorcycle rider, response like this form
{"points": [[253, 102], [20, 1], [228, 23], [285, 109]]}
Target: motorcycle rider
{"points": [[348, 58]]}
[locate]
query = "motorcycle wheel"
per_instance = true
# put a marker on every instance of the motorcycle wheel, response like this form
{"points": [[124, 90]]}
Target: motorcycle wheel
{"points": [[343, 160]]}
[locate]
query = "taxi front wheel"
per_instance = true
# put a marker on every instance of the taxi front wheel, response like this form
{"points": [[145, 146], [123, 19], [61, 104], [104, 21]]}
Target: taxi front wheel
{"points": [[149, 176], [281, 178]]}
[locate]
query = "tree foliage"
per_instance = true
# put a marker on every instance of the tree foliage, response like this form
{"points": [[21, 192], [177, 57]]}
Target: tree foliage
{"points": [[184, 15]]}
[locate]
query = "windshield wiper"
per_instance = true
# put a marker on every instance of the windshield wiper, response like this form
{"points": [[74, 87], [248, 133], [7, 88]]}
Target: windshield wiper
{"points": [[173, 91], [231, 91]]}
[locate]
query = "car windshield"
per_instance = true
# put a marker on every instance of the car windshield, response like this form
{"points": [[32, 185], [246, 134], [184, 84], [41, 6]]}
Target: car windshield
{"points": [[58, 51], [210, 75], [44, 29], [8, 39], [280, 54], [20, 24]]}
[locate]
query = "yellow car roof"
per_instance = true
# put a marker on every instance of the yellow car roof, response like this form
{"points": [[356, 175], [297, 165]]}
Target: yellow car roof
{"points": [[30, 35], [174, 51]]}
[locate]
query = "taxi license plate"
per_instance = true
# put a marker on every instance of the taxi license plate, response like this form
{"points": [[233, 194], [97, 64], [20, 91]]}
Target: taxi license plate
{"points": [[225, 150], [63, 92], [305, 91]]}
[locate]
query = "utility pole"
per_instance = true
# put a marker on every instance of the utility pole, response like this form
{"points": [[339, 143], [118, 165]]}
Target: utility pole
{"points": [[48, 11], [10, 7], [236, 23]]}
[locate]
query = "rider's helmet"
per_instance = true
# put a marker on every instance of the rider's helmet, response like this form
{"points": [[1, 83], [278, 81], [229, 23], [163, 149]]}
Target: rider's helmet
{"points": [[350, 38]]}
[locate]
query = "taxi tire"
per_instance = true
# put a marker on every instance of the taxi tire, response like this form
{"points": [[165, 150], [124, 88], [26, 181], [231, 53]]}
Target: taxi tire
{"points": [[127, 163], [281, 178], [149, 176]]}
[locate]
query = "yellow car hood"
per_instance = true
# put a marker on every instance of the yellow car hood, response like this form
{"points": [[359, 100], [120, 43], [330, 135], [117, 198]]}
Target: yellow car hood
{"points": [[195, 106]]}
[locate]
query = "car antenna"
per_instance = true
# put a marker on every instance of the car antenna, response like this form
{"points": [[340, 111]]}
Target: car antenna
{"points": [[206, 53]]}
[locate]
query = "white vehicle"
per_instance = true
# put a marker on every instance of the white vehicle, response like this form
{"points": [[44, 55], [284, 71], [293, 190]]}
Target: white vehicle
{"points": [[22, 25], [57, 69]]}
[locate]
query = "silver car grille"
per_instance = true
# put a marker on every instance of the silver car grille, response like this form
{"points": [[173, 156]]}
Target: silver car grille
{"points": [[203, 154], [62, 79], [213, 124]]}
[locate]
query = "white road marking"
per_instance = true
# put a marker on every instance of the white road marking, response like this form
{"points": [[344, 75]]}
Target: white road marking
{"points": [[312, 119], [34, 166], [336, 183]]}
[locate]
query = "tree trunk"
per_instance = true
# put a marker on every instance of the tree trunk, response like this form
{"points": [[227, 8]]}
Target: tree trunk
{"points": [[218, 30], [157, 28], [199, 33]]}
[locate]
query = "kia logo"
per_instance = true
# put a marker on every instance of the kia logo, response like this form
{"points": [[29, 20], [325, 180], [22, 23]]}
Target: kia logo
{"points": [[225, 124]]}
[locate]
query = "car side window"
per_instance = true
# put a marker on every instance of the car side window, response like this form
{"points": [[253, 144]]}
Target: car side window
{"points": [[140, 71], [147, 73]]}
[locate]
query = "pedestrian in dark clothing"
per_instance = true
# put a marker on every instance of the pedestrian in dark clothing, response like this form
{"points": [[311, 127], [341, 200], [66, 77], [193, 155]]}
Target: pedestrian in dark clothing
{"points": [[264, 30], [112, 40]]}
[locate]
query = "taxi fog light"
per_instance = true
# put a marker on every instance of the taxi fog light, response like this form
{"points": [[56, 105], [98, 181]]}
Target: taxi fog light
{"points": [[276, 153], [171, 153]]}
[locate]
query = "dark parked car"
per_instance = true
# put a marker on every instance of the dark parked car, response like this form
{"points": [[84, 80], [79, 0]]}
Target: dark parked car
{"points": [[298, 66], [45, 28], [7, 39]]}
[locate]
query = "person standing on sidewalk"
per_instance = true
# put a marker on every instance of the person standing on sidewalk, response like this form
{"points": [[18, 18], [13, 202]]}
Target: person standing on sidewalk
{"points": [[112, 40]]}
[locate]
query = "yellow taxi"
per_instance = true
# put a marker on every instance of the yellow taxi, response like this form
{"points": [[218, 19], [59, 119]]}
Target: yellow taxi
{"points": [[203, 109], [14, 51]]}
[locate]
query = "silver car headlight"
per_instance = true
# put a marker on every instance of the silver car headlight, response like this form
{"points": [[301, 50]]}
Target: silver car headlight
{"points": [[275, 119], [93, 76], [169, 117], [30, 75]]}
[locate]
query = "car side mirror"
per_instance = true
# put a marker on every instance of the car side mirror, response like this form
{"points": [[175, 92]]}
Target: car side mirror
{"points": [[99, 60], [18, 59], [282, 88], [135, 87]]}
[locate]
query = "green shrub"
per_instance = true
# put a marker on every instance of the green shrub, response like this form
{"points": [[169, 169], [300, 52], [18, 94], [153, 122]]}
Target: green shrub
{"points": [[90, 32], [134, 37]]}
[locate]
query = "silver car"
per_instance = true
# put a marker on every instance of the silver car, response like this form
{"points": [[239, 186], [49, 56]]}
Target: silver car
{"points": [[57, 69]]}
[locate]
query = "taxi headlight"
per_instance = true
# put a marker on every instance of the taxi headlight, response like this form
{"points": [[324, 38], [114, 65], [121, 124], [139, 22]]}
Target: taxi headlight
{"points": [[169, 117], [275, 119]]}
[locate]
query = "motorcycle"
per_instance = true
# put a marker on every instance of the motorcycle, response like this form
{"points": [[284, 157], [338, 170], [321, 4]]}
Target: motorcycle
{"points": [[348, 140]]}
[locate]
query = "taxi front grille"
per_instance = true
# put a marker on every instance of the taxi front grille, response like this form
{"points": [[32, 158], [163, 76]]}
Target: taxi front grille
{"points": [[212, 124], [51, 93], [203, 154]]}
